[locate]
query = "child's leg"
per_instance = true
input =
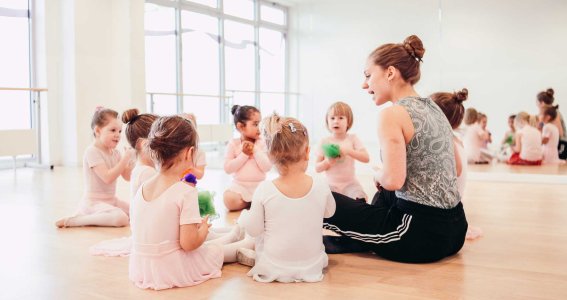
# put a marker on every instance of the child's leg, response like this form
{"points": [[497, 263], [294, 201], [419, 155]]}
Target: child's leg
{"points": [[218, 232], [231, 249], [486, 155], [226, 238], [125, 206], [233, 201], [110, 218]]}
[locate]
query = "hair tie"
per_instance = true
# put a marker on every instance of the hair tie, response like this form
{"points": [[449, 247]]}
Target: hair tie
{"points": [[99, 108], [411, 51], [190, 178], [292, 127]]}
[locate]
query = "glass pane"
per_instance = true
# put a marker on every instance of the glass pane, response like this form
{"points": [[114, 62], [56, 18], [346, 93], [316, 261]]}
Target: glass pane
{"points": [[160, 49], [211, 3], [239, 8], [241, 98], [272, 60], [159, 18], [165, 105], [239, 56], [14, 4], [272, 14], [14, 52], [200, 54], [206, 109], [15, 62], [16, 112], [293, 106], [270, 103]]}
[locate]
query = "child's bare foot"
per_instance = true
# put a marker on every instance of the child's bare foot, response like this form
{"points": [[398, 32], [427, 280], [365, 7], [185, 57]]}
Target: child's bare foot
{"points": [[61, 223]]}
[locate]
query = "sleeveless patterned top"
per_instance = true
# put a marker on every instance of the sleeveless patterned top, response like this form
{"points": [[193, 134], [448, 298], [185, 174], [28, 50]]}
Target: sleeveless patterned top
{"points": [[431, 169]]}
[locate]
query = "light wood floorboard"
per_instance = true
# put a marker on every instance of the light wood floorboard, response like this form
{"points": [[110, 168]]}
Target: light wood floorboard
{"points": [[522, 255]]}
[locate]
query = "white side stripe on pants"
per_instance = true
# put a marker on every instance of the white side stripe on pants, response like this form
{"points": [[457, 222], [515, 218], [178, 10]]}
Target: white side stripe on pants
{"points": [[393, 236]]}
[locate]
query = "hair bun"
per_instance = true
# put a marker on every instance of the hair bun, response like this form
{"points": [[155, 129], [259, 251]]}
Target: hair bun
{"points": [[234, 109], [272, 126], [129, 115], [461, 95], [414, 46], [550, 92]]}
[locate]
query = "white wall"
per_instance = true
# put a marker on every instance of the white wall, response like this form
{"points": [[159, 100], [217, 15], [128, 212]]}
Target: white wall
{"points": [[94, 53], [505, 52]]}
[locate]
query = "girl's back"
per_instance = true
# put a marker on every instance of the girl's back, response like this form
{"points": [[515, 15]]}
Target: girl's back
{"points": [[140, 174], [157, 260], [550, 151], [531, 144], [295, 219], [290, 246], [472, 142]]}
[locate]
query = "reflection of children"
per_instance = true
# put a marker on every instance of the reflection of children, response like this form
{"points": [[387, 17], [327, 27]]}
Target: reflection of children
{"points": [[287, 213], [340, 171], [550, 136], [546, 99], [452, 106], [483, 120], [474, 138], [245, 158], [508, 141], [527, 150], [485, 153], [102, 165]]}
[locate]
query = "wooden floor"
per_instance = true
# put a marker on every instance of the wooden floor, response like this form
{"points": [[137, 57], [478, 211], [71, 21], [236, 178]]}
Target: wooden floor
{"points": [[522, 255], [552, 169]]}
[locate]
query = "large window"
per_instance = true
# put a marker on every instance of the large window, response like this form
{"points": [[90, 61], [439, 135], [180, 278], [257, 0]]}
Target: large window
{"points": [[203, 56], [15, 64]]}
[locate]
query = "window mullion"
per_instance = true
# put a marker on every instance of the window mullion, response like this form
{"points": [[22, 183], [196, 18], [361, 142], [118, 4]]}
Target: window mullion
{"points": [[224, 103], [179, 59], [257, 55]]}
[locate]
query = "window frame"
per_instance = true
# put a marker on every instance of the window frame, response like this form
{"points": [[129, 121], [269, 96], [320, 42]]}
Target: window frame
{"points": [[257, 23]]}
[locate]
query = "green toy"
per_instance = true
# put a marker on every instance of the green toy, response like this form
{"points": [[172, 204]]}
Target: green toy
{"points": [[331, 150], [510, 139], [206, 206]]}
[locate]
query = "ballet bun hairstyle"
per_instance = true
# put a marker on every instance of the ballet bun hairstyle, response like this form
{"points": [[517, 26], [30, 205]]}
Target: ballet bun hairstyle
{"points": [[405, 57], [546, 96], [452, 105], [137, 126], [286, 140], [168, 137], [551, 111]]}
